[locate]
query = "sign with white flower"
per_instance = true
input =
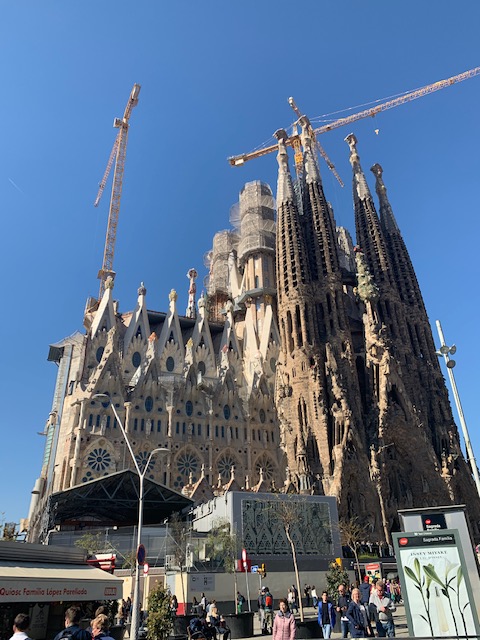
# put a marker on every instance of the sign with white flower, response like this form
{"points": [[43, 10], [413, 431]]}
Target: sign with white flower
{"points": [[435, 584]]}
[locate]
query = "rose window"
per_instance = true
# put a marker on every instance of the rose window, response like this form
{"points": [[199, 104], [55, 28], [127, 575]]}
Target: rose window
{"points": [[225, 465], [142, 458], [268, 469], [99, 459], [187, 464]]}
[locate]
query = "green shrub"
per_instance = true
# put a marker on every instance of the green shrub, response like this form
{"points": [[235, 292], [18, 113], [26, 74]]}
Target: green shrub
{"points": [[159, 621]]}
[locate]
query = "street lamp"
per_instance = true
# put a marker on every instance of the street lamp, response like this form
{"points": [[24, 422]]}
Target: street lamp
{"points": [[141, 475], [445, 351]]}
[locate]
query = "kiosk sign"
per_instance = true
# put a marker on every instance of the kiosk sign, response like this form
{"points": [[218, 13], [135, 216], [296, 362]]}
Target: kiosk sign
{"points": [[435, 583]]}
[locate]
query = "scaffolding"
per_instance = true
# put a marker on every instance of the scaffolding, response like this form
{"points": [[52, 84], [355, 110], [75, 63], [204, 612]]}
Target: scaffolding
{"points": [[254, 217]]}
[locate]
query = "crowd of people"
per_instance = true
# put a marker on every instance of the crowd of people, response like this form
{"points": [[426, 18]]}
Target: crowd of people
{"points": [[207, 623], [363, 611]]}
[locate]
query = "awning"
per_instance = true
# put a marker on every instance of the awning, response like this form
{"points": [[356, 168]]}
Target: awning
{"points": [[113, 499], [35, 582]]}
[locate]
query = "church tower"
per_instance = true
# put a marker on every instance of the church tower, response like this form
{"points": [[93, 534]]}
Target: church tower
{"points": [[415, 457], [318, 391]]}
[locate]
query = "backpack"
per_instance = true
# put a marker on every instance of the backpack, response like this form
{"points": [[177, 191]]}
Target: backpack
{"points": [[269, 601], [69, 634]]}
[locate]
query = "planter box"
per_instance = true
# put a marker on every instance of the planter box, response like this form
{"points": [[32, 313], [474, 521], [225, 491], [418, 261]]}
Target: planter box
{"points": [[240, 624], [308, 629], [180, 625]]}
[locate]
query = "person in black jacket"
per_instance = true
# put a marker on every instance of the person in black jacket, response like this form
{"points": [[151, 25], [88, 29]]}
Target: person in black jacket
{"points": [[72, 630], [343, 600], [365, 589], [358, 620]]}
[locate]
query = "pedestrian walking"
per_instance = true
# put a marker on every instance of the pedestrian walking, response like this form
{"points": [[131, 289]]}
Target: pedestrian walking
{"points": [[343, 600], [358, 618], [284, 627], [20, 626], [382, 608], [326, 615]]}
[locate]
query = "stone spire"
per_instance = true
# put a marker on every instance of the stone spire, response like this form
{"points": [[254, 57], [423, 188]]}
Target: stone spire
{"points": [[403, 270], [312, 172], [387, 218], [291, 258], [285, 191], [318, 220], [368, 230], [360, 186], [191, 311]]}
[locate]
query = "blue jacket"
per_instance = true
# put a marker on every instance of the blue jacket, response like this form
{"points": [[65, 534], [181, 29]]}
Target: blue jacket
{"points": [[331, 613]]}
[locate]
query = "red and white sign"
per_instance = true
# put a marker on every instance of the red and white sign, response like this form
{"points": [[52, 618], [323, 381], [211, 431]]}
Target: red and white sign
{"points": [[145, 569], [244, 555], [32, 582]]}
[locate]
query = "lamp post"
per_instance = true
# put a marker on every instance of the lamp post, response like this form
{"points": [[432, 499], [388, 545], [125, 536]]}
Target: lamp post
{"points": [[445, 351], [141, 475]]}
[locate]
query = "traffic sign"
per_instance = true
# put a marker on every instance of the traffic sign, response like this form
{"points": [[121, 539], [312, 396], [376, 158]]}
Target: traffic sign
{"points": [[254, 568], [145, 569], [141, 553], [244, 555]]}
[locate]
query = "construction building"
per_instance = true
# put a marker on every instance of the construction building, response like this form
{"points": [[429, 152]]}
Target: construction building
{"points": [[308, 367]]}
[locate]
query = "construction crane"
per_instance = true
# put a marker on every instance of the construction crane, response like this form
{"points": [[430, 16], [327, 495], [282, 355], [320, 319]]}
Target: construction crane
{"points": [[294, 139], [304, 121], [118, 153]]}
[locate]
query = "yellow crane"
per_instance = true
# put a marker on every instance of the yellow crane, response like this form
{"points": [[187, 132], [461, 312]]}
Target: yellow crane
{"points": [[294, 139], [118, 153]]}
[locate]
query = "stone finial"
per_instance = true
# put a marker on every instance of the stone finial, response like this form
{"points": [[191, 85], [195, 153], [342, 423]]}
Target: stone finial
{"points": [[190, 478], [192, 290], [173, 296], [232, 472], [189, 343], [109, 283], [366, 288], [351, 140], [247, 483], [142, 290], [202, 471], [153, 337]]}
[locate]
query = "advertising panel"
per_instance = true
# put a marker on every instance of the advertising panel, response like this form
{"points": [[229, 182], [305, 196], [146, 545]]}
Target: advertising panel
{"points": [[435, 584], [202, 581]]}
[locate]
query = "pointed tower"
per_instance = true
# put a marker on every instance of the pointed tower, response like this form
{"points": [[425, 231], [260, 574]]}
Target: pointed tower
{"points": [[317, 389]]}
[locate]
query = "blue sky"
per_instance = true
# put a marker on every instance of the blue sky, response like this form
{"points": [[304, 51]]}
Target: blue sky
{"points": [[215, 76]]}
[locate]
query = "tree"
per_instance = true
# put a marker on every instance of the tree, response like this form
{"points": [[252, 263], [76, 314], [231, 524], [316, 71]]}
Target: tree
{"points": [[335, 576], [223, 546], [287, 513], [9, 531], [179, 536], [159, 621], [352, 533], [91, 542]]}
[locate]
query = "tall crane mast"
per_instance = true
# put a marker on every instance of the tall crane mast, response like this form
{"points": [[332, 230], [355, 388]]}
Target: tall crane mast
{"points": [[118, 153], [294, 139]]}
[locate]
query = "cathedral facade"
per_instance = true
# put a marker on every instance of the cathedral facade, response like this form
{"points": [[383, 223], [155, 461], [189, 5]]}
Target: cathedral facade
{"points": [[308, 367]]}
